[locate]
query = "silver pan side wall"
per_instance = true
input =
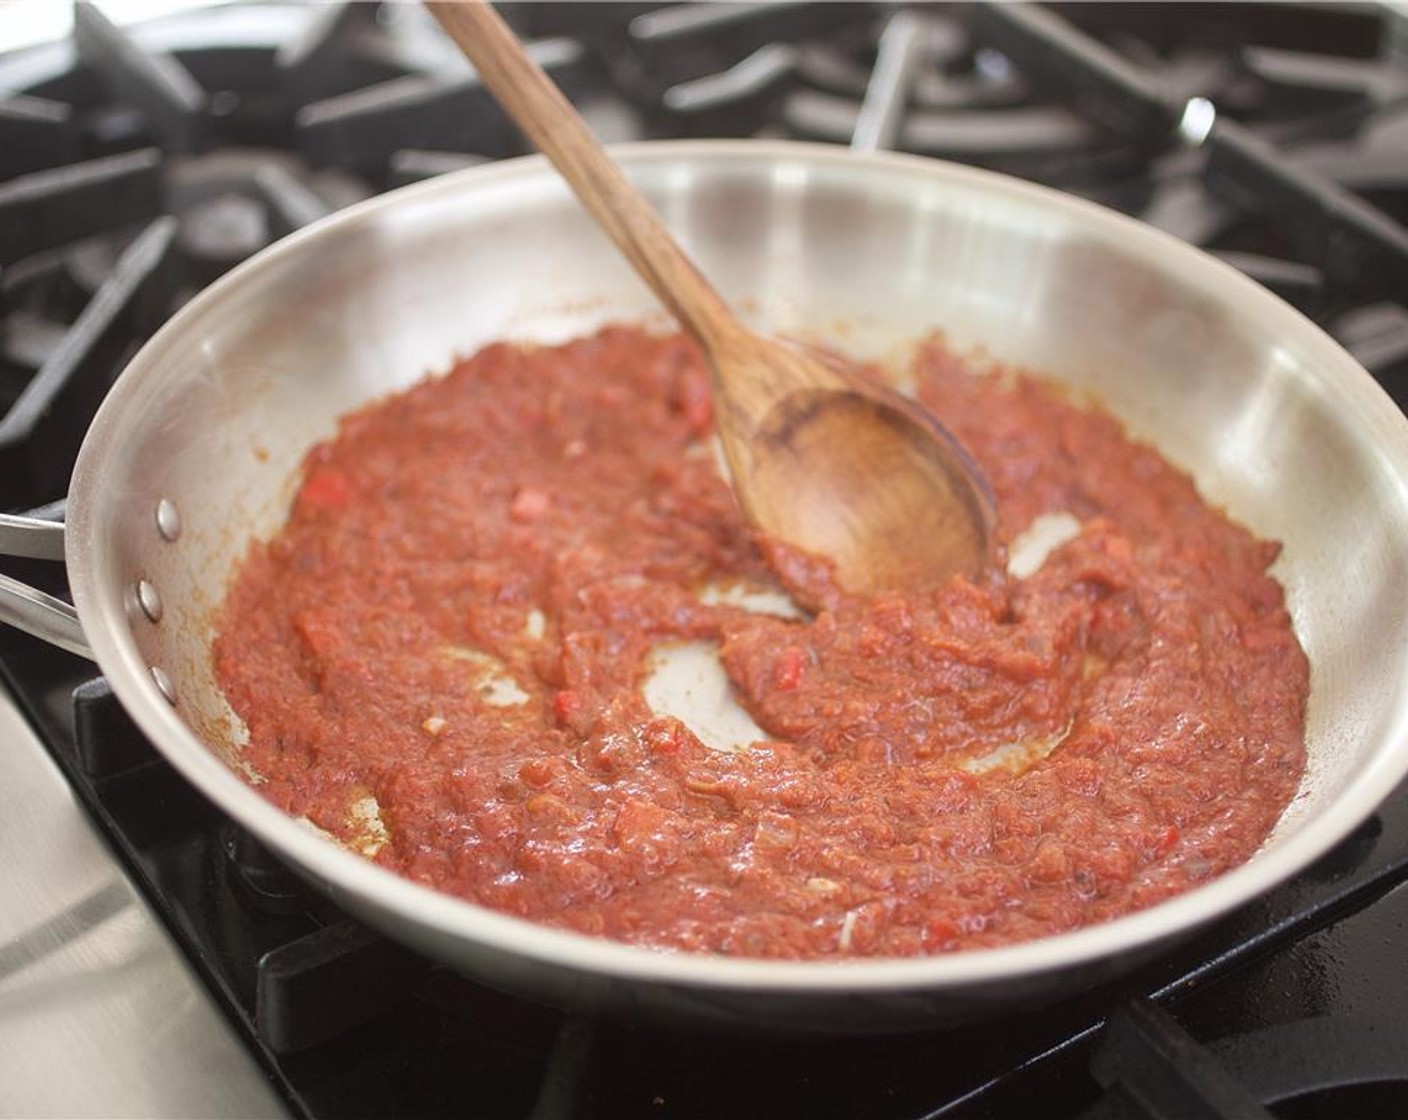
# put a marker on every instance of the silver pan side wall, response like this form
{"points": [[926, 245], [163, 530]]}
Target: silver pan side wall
{"points": [[1274, 421]]}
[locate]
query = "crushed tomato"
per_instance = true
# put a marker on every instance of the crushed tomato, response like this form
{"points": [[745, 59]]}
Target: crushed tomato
{"points": [[553, 513]]}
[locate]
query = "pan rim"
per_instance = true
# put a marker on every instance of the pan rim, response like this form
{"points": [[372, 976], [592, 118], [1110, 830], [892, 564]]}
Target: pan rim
{"points": [[345, 873]]}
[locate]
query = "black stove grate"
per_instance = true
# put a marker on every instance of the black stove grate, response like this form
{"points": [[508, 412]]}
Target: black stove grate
{"points": [[136, 165]]}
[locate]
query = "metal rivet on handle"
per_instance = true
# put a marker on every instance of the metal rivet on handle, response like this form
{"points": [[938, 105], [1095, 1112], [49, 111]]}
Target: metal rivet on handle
{"points": [[163, 684], [149, 600], [168, 521]]}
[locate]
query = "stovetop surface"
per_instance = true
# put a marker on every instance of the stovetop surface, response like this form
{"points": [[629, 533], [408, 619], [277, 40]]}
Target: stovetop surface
{"points": [[136, 165]]}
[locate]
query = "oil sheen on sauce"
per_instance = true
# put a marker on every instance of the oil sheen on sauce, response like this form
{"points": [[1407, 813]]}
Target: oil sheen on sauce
{"points": [[440, 660]]}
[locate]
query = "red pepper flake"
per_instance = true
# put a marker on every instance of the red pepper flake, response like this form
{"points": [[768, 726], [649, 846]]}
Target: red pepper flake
{"points": [[787, 669], [1167, 840], [326, 488]]}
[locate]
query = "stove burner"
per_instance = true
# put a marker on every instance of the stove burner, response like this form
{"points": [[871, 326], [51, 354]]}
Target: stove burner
{"points": [[36, 132], [48, 209], [171, 102], [46, 421], [138, 164], [364, 129], [1150, 1066], [1351, 242]]}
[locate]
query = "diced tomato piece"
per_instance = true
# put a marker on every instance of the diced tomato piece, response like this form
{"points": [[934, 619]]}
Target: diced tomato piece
{"points": [[940, 935], [663, 738], [536, 772], [787, 669], [696, 402], [323, 638], [326, 488], [567, 706], [529, 504]]}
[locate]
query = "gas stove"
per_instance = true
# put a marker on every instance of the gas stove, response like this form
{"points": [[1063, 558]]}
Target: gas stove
{"points": [[176, 968]]}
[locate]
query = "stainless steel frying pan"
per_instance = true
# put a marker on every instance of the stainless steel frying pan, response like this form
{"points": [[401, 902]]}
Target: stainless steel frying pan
{"points": [[196, 449]]}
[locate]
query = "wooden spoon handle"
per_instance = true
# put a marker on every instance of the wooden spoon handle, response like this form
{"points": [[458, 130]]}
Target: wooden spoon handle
{"points": [[548, 119]]}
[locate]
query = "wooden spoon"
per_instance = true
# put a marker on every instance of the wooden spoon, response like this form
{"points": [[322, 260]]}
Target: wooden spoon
{"points": [[822, 457]]}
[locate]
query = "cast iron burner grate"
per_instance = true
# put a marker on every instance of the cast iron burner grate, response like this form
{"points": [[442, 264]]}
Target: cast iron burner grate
{"points": [[136, 165]]}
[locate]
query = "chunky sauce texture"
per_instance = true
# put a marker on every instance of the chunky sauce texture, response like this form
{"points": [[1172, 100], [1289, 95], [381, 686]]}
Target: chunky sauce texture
{"points": [[440, 661]]}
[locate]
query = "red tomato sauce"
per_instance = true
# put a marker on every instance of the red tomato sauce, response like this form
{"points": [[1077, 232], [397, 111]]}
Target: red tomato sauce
{"points": [[558, 510]]}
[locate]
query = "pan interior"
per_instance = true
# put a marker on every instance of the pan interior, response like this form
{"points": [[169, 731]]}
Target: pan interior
{"points": [[1275, 423]]}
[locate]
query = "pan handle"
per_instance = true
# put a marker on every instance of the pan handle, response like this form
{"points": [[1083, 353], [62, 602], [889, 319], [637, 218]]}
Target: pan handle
{"points": [[28, 608]]}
